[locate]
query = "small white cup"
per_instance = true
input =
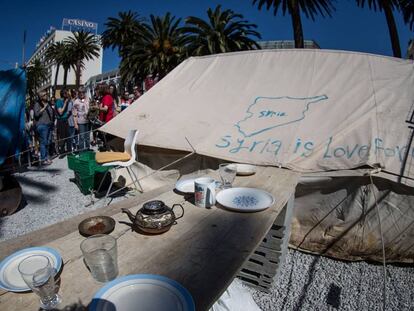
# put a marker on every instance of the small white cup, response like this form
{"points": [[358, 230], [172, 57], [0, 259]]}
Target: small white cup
{"points": [[205, 192]]}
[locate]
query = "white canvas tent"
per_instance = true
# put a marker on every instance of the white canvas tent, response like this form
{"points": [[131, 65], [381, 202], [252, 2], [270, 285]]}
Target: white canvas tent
{"points": [[312, 111]]}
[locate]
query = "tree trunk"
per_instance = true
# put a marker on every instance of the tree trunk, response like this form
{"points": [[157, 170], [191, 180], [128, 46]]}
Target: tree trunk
{"points": [[78, 73], [293, 7], [392, 28], [65, 76], [56, 78]]}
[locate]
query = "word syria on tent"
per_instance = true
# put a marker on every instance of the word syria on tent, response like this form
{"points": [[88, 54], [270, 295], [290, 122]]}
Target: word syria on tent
{"points": [[259, 146], [305, 148]]}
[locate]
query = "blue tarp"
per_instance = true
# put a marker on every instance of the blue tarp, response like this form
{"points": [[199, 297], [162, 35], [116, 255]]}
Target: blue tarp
{"points": [[12, 109]]}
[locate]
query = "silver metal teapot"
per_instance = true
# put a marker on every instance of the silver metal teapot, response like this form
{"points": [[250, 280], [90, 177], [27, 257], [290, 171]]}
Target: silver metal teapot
{"points": [[154, 217]]}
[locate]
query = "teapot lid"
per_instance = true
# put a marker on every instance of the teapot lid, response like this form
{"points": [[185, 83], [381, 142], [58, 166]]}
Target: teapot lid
{"points": [[154, 207]]}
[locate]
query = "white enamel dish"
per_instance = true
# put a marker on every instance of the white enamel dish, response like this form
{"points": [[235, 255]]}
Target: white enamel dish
{"points": [[10, 278], [142, 292], [245, 169], [185, 185], [245, 199]]}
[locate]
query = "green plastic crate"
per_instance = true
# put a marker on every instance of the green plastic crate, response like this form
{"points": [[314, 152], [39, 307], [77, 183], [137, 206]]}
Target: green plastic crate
{"points": [[72, 161], [84, 163], [102, 169], [88, 183], [86, 168], [85, 182]]}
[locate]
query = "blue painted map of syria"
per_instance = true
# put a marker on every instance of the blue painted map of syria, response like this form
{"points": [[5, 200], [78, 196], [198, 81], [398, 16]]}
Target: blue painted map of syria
{"points": [[267, 113]]}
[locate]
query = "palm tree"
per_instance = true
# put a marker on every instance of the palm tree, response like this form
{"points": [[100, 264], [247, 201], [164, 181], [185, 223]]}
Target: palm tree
{"points": [[66, 63], [225, 31], [387, 6], [36, 73], [82, 46], [310, 8], [159, 48], [56, 53], [121, 31], [407, 8], [59, 53]]}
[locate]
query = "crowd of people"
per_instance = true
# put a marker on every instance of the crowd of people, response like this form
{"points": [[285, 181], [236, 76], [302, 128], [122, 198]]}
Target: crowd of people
{"points": [[64, 125]]}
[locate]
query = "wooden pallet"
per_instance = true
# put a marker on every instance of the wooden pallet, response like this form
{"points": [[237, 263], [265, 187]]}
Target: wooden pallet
{"points": [[264, 264]]}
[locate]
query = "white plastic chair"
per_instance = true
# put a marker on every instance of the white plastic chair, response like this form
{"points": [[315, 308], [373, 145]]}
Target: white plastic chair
{"points": [[129, 149]]}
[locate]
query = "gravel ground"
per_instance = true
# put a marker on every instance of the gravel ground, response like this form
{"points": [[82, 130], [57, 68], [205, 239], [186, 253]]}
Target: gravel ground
{"points": [[307, 282], [48, 197]]}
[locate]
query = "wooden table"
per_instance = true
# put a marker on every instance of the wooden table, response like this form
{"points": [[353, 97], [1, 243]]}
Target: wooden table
{"points": [[203, 251]]}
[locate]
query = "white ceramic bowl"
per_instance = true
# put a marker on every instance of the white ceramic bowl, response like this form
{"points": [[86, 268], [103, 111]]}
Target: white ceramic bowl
{"points": [[185, 185], [245, 169]]}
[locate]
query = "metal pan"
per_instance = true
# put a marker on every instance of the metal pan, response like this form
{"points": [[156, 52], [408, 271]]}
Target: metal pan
{"points": [[96, 225]]}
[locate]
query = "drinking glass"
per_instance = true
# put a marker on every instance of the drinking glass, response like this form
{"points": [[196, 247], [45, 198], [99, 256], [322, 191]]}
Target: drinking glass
{"points": [[38, 273], [100, 253], [227, 173]]}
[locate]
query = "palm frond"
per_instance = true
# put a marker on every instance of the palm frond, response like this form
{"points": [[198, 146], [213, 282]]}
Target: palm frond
{"points": [[223, 31]]}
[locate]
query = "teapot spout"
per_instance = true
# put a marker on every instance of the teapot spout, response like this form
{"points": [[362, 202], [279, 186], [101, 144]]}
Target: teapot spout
{"points": [[128, 224], [130, 215]]}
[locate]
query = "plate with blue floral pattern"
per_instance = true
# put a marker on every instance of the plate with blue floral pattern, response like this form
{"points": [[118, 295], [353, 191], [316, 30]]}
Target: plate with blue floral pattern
{"points": [[245, 199]]}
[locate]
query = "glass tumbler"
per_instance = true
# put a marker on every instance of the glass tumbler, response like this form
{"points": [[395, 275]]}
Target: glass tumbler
{"points": [[100, 254], [227, 172], [38, 273]]}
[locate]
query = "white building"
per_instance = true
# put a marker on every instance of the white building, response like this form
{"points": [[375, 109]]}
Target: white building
{"points": [[92, 67], [287, 44], [109, 77]]}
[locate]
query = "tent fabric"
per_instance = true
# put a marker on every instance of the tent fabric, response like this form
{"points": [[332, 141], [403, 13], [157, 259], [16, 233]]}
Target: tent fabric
{"points": [[306, 110], [12, 107], [329, 113], [337, 216]]}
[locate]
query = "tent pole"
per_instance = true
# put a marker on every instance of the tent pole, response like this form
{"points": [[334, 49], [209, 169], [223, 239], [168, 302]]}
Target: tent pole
{"points": [[384, 294]]}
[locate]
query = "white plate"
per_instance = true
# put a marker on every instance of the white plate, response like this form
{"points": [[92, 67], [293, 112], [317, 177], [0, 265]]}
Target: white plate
{"points": [[245, 169], [245, 199], [146, 292], [185, 185], [10, 278]]}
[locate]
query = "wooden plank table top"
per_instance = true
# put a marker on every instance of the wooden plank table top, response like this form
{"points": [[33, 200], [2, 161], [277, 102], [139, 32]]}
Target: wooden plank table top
{"points": [[203, 251]]}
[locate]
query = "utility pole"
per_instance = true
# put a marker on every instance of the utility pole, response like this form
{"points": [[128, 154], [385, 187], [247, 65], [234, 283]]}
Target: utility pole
{"points": [[24, 48]]}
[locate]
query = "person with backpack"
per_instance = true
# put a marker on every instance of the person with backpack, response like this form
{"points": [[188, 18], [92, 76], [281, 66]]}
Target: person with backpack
{"points": [[44, 119]]}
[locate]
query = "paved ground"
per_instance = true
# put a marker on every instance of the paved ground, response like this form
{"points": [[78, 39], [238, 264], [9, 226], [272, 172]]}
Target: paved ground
{"points": [[48, 197], [311, 282]]}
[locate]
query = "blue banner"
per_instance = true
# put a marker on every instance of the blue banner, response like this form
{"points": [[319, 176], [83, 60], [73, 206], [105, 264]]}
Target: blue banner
{"points": [[12, 109]]}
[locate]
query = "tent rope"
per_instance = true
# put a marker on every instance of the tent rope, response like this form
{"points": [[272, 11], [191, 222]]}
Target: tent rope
{"points": [[384, 295], [139, 179], [150, 174], [194, 151], [55, 141]]}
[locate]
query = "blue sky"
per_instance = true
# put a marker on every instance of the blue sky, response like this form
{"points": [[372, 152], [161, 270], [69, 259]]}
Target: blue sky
{"points": [[350, 28]]}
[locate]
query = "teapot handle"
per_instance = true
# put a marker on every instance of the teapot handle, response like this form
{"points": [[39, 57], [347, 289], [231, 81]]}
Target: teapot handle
{"points": [[182, 209]]}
